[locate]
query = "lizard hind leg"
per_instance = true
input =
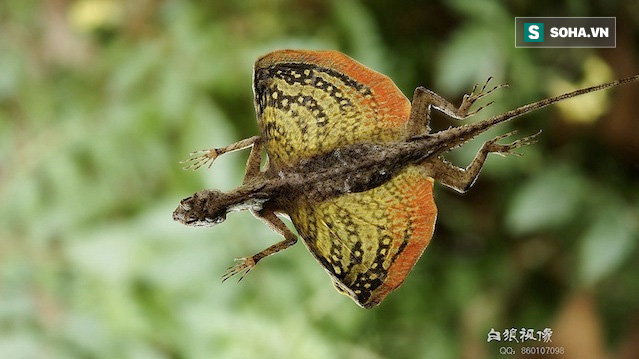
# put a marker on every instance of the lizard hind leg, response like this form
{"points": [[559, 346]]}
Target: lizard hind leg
{"points": [[425, 99], [461, 179]]}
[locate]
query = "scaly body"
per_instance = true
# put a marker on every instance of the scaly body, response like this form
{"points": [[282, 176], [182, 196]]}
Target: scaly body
{"points": [[352, 162]]}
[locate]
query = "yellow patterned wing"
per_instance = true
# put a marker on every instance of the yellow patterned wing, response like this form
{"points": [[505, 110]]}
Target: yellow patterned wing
{"points": [[312, 102], [369, 241]]}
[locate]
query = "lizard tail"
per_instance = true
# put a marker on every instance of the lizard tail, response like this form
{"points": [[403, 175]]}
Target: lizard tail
{"points": [[453, 137]]}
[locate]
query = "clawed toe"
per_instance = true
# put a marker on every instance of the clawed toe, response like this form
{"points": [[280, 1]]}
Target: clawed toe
{"points": [[501, 137], [479, 109]]}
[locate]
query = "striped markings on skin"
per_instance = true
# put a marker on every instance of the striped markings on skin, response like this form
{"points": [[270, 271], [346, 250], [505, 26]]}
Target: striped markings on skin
{"points": [[352, 163]]}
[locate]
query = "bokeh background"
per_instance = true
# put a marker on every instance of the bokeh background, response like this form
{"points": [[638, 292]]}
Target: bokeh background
{"points": [[100, 99]]}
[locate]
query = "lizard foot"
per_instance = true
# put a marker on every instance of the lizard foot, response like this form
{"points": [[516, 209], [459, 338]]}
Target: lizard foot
{"points": [[200, 158], [242, 268], [507, 149], [469, 99]]}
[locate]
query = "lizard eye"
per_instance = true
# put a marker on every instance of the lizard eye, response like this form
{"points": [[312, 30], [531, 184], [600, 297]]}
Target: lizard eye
{"points": [[184, 204]]}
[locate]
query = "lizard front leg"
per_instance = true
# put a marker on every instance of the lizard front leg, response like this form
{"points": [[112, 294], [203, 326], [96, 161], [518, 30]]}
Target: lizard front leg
{"points": [[206, 157], [461, 179], [246, 264], [425, 99], [254, 160]]}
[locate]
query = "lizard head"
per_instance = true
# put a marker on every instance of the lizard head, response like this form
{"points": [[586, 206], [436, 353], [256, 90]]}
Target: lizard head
{"points": [[203, 209]]}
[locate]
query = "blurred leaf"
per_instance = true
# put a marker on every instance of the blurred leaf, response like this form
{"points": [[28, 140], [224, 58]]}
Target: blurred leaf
{"points": [[361, 33], [588, 108], [470, 56], [608, 241], [21, 346], [89, 15], [109, 255], [485, 10], [547, 201]]}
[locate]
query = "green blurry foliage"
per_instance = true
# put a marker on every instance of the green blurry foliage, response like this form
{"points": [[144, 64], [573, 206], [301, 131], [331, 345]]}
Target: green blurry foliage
{"points": [[550, 200], [100, 99]]}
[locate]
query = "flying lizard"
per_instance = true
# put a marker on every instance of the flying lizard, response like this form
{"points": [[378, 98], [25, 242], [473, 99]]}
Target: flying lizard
{"points": [[352, 162]]}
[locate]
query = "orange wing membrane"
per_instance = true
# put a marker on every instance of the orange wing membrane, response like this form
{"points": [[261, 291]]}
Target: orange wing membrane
{"points": [[369, 241], [349, 166], [312, 102]]}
